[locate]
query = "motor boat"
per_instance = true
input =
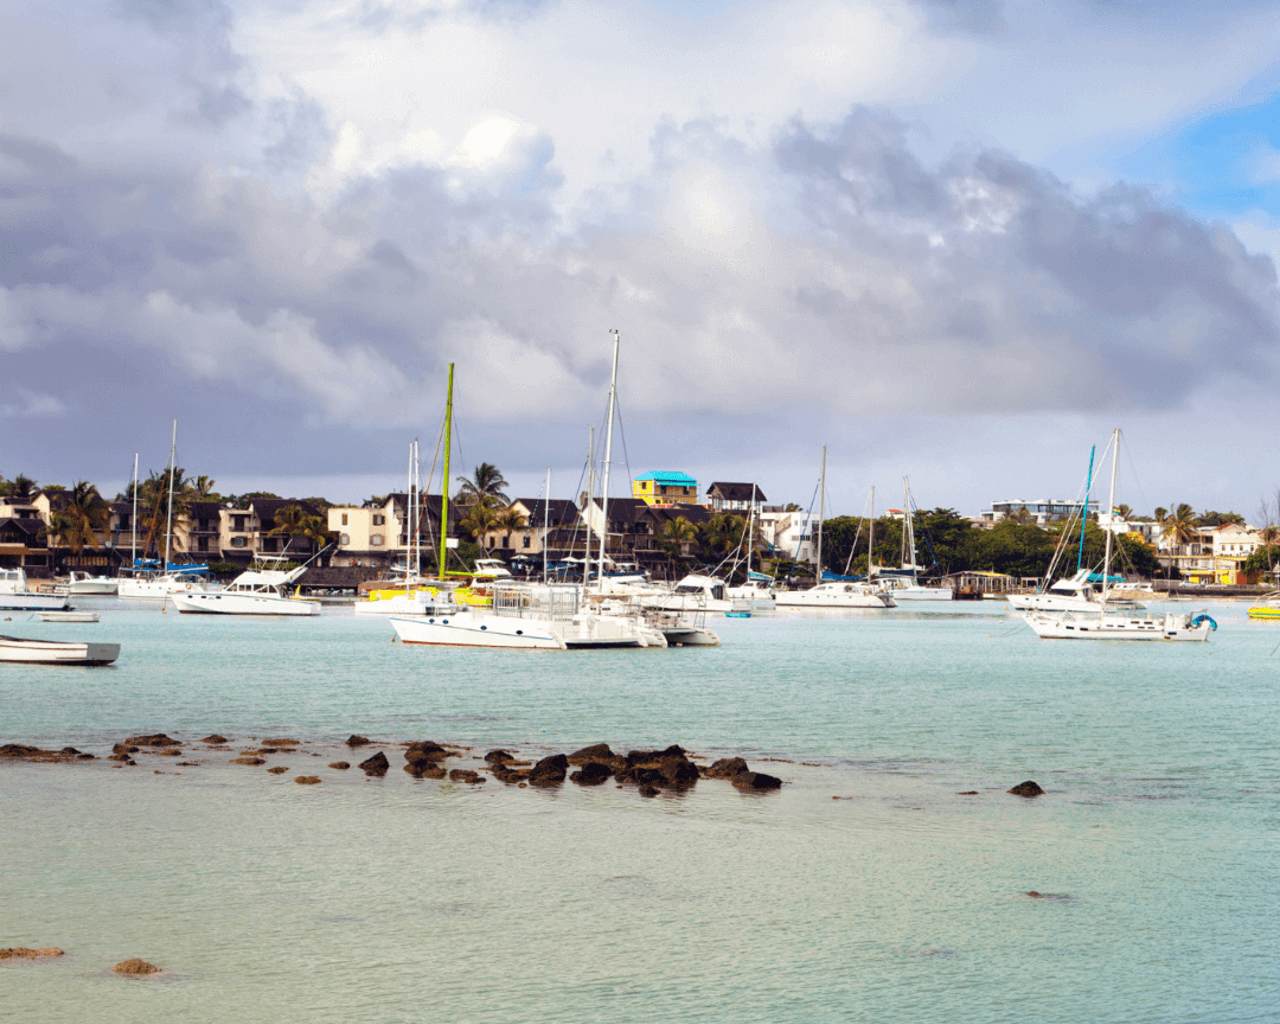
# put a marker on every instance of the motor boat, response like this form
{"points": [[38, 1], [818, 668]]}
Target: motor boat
{"points": [[19, 650], [82, 583], [1077, 593], [253, 592], [15, 595]]}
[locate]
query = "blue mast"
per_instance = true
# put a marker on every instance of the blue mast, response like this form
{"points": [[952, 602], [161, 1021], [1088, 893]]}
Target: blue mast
{"points": [[1084, 512]]}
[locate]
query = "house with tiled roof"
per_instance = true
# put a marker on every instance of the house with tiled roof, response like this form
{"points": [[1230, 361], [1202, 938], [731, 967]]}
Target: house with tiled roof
{"points": [[734, 497]]}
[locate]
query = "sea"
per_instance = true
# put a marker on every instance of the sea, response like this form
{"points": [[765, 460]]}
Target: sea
{"points": [[890, 879]]}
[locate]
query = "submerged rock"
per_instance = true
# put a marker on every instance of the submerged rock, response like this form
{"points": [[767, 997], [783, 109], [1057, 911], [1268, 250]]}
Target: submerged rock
{"points": [[19, 750], [756, 780], [593, 773], [279, 743], [215, 739], [249, 760], [550, 771], [465, 775], [157, 739], [499, 757], [278, 770], [649, 791], [124, 748], [307, 780], [510, 775], [342, 766], [25, 953], [357, 741], [135, 966], [1027, 789], [376, 765], [726, 768]]}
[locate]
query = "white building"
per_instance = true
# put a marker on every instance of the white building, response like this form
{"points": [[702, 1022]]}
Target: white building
{"points": [[793, 534]]}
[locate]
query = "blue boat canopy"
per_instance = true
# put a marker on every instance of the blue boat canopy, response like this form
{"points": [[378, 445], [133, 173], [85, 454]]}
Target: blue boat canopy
{"points": [[186, 570]]}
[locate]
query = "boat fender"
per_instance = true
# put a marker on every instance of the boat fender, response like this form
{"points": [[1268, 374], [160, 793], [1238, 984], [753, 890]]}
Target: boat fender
{"points": [[188, 585], [1203, 618]]}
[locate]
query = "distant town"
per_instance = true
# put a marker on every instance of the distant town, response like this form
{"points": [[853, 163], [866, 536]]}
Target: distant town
{"points": [[668, 525]]}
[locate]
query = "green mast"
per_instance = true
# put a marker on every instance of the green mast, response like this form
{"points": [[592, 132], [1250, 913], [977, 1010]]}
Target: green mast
{"points": [[444, 497]]}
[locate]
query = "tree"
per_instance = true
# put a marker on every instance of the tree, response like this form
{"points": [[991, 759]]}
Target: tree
{"points": [[480, 518], [202, 489], [487, 480], [316, 530], [721, 534], [21, 487], [1180, 525], [676, 536], [290, 521]]}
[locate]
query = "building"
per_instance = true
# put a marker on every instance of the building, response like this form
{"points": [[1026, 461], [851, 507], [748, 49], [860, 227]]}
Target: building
{"points": [[734, 497], [665, 488], [244, 533], [791, 535], [1041, 510], [558, 518], [376, 533]]}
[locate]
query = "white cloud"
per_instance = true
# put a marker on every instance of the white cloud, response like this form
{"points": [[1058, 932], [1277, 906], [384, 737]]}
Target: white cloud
{"points": [[31, 405]]}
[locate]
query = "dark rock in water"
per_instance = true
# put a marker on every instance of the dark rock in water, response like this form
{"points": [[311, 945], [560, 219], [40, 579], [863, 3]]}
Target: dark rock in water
{"points": [[593, 773], [135, 966], [19, 750], [307, 780], [157, 739], [121, 757], [215, 740], [1027, 789], [26, 953], [170, 753], [249, 760], [550, 771], [357, 741], [466, 775], [279, 743], [342, 766], [124, 748], [511, 775], [500, 756], [727, 768], [86, 757], [679, 773], [376, 765], [652, 758], [756, 780], [69, 750], [424, 751], [599, 753], [278, 770], [647, 776], [968, 792], [648, 791]]}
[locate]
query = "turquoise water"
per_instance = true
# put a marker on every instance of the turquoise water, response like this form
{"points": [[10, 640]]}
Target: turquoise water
{"points": [[401, 899]]}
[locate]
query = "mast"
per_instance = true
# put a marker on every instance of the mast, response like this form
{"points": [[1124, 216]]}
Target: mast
{"points": [[822, 510], [1111, 503], [546, 524], [1084, 512], [444, 495], [168, 533], [133, 545], [608, 455], [909, 534], [751, 523], [591, 494], [871, 533], [417, 510]]}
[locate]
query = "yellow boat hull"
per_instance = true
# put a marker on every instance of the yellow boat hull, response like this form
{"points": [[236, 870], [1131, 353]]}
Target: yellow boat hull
{"points": [[1264, 613]]}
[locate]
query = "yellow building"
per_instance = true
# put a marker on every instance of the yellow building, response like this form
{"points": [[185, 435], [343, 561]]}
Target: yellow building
{"points": [[666, 488]]}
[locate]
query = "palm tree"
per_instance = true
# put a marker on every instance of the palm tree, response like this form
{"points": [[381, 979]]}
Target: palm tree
{"points": [[20, 487], [290, 522], [202, 488], [316, 530], [486, 480], [676, 536], [84, 515], [482, 517]]}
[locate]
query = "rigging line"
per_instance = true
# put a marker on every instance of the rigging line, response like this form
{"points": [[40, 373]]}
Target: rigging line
{"points": [[794, 558], [435, 458], [856, 537], [622, 431]]}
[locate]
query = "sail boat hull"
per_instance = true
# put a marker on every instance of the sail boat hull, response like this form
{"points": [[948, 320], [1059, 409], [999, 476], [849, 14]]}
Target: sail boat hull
{"points": [[1094, 626]]}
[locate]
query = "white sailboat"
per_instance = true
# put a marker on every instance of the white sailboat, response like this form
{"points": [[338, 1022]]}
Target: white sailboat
{"points": [[838, 593], [904, 584], [1107, 622]]}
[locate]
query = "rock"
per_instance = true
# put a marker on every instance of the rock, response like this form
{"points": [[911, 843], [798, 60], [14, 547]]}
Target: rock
{"points": [[157, 739], [599, 753], [25, 953], [307, 780], [593, 773], [499, 757], [120, 757], [279, 743], [215, 740], [68, 750], [424, 751], [342, 766], [249, 760], [124, 748], [171, 753], [278, 770], [376, 765], [357, 741], [727, 768], [19, 750], [648, 791], [968, 792], [756, 780], [652, 758], [550, 771], [465, 775], [510, 775], [679, 772], [1027, 789], [135, 966]]}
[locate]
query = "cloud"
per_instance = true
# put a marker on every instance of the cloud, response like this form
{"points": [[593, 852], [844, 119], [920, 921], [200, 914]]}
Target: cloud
{"points": [[31, 405]]}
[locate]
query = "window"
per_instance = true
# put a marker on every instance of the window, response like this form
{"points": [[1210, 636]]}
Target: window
{"points": [[526, 540], [379, 519], [238, 542], [239, 524], [346, 537], [268, 544], [202, 544], [375, 539], [344, 519]]}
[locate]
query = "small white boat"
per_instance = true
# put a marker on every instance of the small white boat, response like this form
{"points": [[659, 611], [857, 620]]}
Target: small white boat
{"points": [[83, 583], [67, 616], [158, 586], [836, 595], [1102, 624], [253, 592], [56, 652], [693, 594], [15, 595], [1078, 593]]}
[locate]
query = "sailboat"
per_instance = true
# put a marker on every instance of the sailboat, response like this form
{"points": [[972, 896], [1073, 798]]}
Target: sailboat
{"points": [[1106, 621], [904, 583], [836, 593], [147, 580]]}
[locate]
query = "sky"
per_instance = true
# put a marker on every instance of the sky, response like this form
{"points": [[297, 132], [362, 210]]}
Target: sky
{"points": [[955, 240]]}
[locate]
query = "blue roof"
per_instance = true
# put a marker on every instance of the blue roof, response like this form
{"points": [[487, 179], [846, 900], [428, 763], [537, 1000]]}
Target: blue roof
{"points": [[668, 477]]}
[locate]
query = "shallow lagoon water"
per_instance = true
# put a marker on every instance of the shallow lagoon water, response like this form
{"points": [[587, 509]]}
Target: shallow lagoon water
{"points": [[401, 899]]}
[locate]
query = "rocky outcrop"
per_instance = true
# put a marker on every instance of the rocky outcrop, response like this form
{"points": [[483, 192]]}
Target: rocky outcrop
{"points": [[756, 780], [280, 743], [22, 752], [357, 741], [500, 757], [726, 768], [215, 740], [157, 739], [515, 776], [593, 773], [25, 953], [422, 757], [599, 753], [550, 771], [249, 760], [124, 748], [342, 766], [19, 750], [465, 775], [376, 765], [664, 768], [1028, 789], [135, 966], [125, 758], [307, 780]]}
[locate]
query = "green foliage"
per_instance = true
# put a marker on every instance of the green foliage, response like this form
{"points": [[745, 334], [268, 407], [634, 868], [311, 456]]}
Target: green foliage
{"points": [[1262, 560]]}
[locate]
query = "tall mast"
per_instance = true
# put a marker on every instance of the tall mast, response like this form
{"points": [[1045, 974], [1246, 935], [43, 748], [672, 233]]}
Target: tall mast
{"points": [[1111, 503], [133, 546], [546, 524], [822, 510], [608, 455], [1084, 512], [444, 496], [168, 533], [751, 524], [871, 533], [909, 533], [591, 494], [417, 510]]}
